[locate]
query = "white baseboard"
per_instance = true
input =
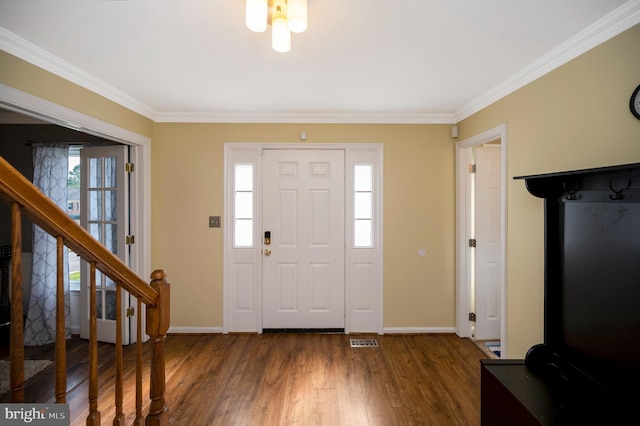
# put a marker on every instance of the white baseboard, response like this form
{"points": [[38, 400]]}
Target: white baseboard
{"points": [[195, 330], [419, 330], [387, 330]]}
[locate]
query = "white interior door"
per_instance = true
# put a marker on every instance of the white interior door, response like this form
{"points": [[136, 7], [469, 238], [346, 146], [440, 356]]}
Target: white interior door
{"points": [[303, 265], [488, 242], [104, 206]]}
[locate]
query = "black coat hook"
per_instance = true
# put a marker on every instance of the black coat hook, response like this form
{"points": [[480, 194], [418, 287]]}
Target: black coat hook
{"points": [[618, 193], [571, 191]]}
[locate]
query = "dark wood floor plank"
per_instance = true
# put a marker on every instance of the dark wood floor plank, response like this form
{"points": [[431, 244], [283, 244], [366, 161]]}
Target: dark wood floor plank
{"points": [[286, 379]]}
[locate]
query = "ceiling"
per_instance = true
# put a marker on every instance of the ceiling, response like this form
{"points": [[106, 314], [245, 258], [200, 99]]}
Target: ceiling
{"points": [[409, 61]]}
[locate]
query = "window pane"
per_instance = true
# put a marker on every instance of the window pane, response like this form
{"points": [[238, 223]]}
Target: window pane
{"points": [[110, 172], [362, 206], [363, 233], [111, 237], [110, 302], [99, 304], [95, 229], [363, 178], [99, 279], [73, 209], [244, 177], [243, 236], [108, 282], [110, 205], [244, 205], [95, 173], [95, 205], [74, 271]]}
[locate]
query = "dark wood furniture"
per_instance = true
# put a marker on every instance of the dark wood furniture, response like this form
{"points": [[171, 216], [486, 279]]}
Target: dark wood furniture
{"points": [[587, 371]]}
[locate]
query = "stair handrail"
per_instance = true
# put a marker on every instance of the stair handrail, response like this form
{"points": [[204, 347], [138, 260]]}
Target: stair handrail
{"points": [[27, 200], [47, 215]]}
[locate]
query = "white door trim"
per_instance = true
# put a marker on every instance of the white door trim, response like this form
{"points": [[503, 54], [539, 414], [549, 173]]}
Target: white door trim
{"points": [[140, 154], [244, 264], [463, 226]]}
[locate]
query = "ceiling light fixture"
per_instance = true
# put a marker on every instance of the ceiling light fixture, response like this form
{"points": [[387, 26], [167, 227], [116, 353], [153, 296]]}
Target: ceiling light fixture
{"points": [[285, 17]]}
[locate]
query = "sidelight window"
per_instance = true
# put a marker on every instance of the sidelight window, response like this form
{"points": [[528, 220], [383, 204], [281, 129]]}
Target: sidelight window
{"points": [[363, 205], [243, 211]]}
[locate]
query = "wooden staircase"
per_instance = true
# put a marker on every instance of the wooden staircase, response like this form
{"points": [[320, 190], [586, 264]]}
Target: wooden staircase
{"points": [[26, 200]]}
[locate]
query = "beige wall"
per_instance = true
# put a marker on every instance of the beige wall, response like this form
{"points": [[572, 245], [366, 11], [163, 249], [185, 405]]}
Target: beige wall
{"points": [[187, 187], [574, 117], [418, 213]]}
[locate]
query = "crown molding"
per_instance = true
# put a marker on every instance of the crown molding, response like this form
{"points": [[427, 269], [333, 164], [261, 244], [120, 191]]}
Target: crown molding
{"points": [[29, 52], [329, 118], [609, 26]]}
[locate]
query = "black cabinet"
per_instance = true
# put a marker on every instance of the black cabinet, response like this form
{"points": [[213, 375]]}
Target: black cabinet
{"points": [[587, 370], [513, 394], [510, 395]]}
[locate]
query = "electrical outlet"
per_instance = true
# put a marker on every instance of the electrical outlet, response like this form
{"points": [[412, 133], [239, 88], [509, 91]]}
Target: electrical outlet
{"points": [[214, 221]]}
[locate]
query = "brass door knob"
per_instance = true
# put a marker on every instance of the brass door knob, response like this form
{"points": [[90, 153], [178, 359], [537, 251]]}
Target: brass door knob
{"points": [[267, 252]]}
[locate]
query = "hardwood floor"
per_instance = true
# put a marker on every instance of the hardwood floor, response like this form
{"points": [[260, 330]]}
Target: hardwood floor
{"points": [[289, 379]]}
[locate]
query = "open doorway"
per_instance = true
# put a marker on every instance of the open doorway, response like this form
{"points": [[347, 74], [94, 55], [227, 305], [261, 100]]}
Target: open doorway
{"points": [[481, 238], [30, 110]]}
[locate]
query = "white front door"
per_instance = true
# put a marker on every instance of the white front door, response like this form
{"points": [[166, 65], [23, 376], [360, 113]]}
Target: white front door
{"points": [[303, 264], [104, 206], [488, 242]]}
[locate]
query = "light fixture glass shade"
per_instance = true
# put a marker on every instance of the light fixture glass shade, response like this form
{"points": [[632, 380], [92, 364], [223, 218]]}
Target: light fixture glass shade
{"points": [[297, 15], [256, 15], [280, 35]]}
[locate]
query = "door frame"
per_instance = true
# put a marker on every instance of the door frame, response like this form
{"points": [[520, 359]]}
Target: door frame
{"points": [[361, 314], [140, 182], [464, 218]]}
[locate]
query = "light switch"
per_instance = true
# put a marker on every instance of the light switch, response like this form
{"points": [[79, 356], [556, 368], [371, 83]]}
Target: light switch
{"points": [[214, 221]]}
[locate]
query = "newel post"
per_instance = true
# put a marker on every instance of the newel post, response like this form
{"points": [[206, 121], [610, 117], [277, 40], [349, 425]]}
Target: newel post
{"points": [[157, 326]]}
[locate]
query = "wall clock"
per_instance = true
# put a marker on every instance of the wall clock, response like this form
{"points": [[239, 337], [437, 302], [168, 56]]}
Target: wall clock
{"points": [[634, 103]]}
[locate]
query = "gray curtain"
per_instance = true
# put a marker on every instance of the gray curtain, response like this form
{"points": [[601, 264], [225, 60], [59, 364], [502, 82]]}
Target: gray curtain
{"points": [[50, 175]]}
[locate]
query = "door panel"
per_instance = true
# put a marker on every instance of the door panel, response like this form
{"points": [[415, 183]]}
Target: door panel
{"points": [[303, 209], [103, 212], [488, 237]]}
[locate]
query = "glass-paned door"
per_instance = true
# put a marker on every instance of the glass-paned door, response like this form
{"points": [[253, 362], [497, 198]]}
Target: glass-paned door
{"points": [[105, 201]]}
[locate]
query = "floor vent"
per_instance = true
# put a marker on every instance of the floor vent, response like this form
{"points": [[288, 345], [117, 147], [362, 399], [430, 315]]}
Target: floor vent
{"points": [[364, 343]]}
